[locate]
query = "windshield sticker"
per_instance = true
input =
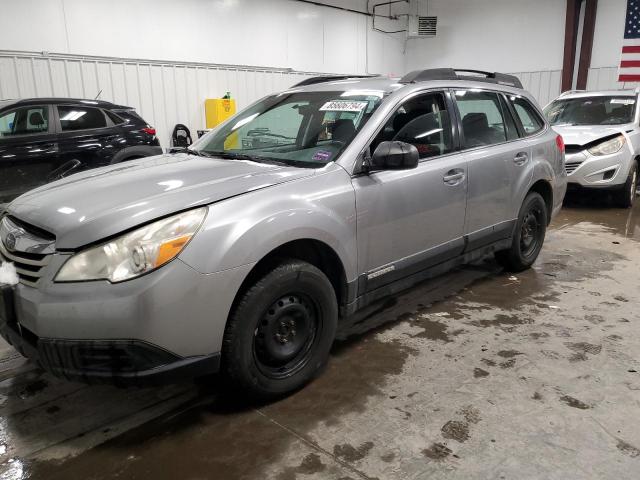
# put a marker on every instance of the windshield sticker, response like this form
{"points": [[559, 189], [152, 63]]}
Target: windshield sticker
{"points": [[343, 106], [623, 101], [322, 155]]}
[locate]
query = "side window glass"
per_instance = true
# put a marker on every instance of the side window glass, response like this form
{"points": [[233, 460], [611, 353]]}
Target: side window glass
{"points": [[423, 122], [529, 118], [482, 120], [80, 118], [24, 120], [114, 118]]}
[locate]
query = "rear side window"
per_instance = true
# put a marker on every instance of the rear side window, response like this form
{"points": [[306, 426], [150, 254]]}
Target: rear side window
{"points": [[114, 118], [482, 120], [80, 118], [529, 118], [130, 116], [24, 120]]}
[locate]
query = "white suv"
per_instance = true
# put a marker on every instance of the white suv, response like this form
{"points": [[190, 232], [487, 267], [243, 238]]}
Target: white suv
{"points": [[602, 140]]}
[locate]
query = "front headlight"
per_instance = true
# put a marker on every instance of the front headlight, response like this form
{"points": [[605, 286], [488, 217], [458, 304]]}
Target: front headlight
{"points": [[608, 146], [134, 253]]}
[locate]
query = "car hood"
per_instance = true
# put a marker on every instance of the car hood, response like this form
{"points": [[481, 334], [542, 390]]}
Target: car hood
{"points": [[90, 206], [583, 134]]}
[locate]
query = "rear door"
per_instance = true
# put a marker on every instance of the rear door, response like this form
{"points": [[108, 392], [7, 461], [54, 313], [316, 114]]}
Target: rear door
{"points": [[28, 149], [494, 150], [410, 220], [530, 124], [87, 138]]}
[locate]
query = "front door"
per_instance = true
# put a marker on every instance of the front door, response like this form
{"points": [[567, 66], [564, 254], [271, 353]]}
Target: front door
{"points": [[28, 149], [411, 219], [87, 138]]}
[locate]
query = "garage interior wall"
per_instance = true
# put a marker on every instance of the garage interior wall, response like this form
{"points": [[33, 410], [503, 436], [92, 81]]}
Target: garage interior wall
{"points": [[607, 45], [165, 57]]}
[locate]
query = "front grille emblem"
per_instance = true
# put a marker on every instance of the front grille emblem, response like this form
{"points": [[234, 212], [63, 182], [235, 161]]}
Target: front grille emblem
{"points": [[10, 240]]}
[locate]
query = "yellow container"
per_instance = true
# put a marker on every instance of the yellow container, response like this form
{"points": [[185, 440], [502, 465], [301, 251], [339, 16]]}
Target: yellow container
{"points": [[217, 110]]}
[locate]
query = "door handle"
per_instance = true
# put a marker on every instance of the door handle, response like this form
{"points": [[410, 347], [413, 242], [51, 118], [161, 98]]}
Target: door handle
{"points": [[454, 177], [521, 158], [44, 148]]}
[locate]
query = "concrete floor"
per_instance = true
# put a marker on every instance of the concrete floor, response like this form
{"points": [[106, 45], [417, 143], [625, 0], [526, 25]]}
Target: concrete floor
{"points": [[476, 375]]}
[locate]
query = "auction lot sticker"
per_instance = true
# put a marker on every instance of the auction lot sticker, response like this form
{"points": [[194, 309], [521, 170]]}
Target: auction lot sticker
{"points": [[343, 106], [623, 101]]}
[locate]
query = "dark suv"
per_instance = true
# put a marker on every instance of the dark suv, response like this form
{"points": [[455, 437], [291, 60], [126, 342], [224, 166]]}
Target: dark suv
{"points": [[44, 139]]}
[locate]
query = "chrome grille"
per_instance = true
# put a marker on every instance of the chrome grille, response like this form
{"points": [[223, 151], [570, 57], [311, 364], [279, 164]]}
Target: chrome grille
{"points": [[30, 252], [28, 265]]}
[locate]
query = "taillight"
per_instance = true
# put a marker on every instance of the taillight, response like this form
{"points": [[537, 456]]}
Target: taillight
{"points": [[149, 130], [560, 143]]}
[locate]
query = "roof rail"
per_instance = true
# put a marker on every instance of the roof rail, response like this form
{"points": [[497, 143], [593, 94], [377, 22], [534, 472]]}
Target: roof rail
{"points": [[328, 78], [451, 74], [569, 92]]}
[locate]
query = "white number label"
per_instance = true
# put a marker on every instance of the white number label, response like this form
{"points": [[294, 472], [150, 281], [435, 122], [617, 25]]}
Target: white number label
{"points": [[343, 106]]}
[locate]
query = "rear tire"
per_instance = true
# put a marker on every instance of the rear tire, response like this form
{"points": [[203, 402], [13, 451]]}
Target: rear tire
{"points": [[528, 236], [279, 335], [625, 197]]}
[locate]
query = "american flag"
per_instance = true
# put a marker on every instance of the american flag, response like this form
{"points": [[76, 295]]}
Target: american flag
{"points": [[629, 70]]}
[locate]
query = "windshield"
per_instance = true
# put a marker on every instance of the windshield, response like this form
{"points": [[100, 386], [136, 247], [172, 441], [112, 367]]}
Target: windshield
{"points": [[591, 111], [306, 129]]}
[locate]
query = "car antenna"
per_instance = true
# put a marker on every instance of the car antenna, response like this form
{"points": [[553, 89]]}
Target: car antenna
{"points": [[98, 94]]}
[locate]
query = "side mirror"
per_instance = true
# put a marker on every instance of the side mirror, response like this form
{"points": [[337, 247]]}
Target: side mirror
{"points": [[394, 155]]}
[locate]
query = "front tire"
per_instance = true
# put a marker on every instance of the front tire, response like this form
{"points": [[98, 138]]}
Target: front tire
{"points": [[279, 335], [528, 237], [625, 197]]}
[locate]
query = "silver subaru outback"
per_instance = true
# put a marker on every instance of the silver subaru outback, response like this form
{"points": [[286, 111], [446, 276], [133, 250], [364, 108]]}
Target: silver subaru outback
{"points": [[601, 131], [243, 253]]}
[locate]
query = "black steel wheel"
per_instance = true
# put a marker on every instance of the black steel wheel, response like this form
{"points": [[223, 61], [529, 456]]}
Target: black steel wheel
{"points": [[279, 334], [528, 237], [285, 334]]}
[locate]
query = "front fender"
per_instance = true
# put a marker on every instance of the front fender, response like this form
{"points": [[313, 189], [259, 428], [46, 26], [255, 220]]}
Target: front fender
{"points": [[244, 229]]}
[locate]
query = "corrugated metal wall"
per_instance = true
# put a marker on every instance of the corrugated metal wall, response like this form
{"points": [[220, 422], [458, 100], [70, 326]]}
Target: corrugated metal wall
{"points": [[606, 78], [543, 85], [164, 93]]}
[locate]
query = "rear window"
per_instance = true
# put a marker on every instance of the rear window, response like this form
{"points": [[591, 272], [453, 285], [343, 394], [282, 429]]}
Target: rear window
{"points": [[80, 118]]}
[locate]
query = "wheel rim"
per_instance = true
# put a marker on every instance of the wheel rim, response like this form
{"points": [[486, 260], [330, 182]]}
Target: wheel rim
{"points": [[285, 335], [634, 186], [530, 232]]}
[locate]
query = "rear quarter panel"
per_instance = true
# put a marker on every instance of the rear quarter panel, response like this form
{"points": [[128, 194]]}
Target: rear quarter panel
{"points": [[547, 163]]}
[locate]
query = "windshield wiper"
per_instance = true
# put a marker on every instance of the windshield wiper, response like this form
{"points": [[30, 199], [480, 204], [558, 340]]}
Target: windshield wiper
{"points": [[244, 156], [198, 153]]}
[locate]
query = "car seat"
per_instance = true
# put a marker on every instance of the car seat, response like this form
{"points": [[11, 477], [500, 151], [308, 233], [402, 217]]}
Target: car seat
{"points": [[37, 120], [476, 129], [343, 130], [181, 136]]}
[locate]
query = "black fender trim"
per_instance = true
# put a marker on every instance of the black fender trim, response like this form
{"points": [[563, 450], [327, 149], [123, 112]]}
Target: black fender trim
{"points": [[137, 151]]}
